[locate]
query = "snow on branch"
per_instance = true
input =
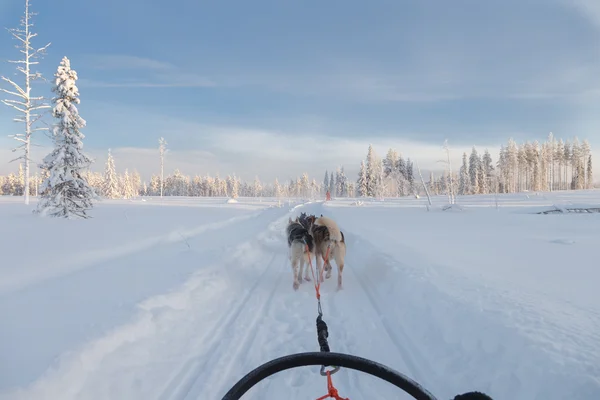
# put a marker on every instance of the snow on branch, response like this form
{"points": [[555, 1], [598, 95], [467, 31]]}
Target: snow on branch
{"points": [[25, 104]]}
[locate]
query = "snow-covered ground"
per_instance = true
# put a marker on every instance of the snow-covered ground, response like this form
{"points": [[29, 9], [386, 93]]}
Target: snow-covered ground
{"points": [[179, 300]]}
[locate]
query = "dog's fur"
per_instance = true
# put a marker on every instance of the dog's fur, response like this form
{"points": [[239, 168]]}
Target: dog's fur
{"points": [[298, 240], [303, 219], [326, 233]]}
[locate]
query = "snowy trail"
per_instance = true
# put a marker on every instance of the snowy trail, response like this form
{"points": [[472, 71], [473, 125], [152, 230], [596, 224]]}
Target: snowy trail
{"points": [[448, 331], [178, 349], [223, 344], [352, 315]]}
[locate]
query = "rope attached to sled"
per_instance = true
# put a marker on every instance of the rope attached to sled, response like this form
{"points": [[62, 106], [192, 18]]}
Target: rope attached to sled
{"points": [[323, 332], [331, 390]]}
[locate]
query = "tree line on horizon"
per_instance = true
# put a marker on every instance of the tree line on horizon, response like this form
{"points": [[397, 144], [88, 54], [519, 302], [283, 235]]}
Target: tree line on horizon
{"points": [[549, 166]]}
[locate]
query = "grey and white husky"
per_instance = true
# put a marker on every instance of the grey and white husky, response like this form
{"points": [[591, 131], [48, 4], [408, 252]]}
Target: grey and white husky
{"points": [[301, 246], [327, 235]]}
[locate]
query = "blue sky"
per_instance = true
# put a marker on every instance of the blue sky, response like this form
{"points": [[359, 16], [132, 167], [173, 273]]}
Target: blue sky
{"points": [[276, 88]]}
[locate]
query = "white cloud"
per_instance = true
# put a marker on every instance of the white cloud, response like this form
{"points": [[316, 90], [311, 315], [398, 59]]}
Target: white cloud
{"points": [[122, 61], [287, 154], [148, 73], [589, 9]]}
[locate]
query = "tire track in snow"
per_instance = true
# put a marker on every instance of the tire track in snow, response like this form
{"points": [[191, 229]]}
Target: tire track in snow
{"points": [[180, 385], [188, 382], [229, 353], [417, 371]]}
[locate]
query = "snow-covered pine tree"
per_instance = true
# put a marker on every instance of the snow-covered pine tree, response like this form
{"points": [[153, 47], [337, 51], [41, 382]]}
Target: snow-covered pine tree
{"points": [[337, 184], [590, 174], [372, 170], [378, 183], [402, 176], [111, 182], [350, 189], [326, 182], [390, 162], [543, 155], [162, 149], [314, 189], [481, 181], [431, 183], [362, 180], [526, 161], [464, 182], [257, 187], [136, 183], [332, 185], [537, 167], [343, 183], [236, 187], [488, 170], [575, 163], [559, 156], [305, 185], [410, 176], [512, 163], [11, 185], [474, 171], [551, 146], [20, 188], [154, 185], [66, 193], [585, 153], [127, 185], [277, 189]]}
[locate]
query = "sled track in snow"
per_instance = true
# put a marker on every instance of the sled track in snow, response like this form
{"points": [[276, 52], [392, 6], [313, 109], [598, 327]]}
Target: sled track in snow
{"points": [[222, 342], [229, 352], [398, 337]]}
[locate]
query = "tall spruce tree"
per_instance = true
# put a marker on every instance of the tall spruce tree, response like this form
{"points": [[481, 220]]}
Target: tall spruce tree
{"points": [[66, 193]]}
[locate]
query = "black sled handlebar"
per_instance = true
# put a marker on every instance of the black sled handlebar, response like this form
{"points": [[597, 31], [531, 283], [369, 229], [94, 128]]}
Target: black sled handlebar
{"points": [[327, 358]]}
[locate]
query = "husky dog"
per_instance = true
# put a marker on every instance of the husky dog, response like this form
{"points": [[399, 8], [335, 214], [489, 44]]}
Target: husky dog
{"points": [[298, 241], [303, 219], [327, 234]]}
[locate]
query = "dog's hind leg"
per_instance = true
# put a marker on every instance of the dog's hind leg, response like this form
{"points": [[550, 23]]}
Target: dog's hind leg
{"points": [[339, 261], [295, 268], [307, 267], [296, 258], [328, 267], [301, 269], [319, 260]]}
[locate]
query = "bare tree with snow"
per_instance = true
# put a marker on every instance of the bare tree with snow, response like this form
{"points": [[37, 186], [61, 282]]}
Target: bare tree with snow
{"points": [[27, 105], [449, 174], [65, 192], [162, 146]]}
